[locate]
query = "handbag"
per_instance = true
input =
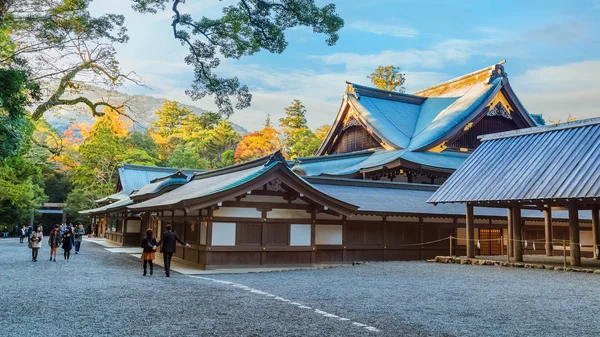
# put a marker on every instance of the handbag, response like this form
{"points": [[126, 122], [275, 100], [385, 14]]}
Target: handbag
{"points": [[30, 244]]}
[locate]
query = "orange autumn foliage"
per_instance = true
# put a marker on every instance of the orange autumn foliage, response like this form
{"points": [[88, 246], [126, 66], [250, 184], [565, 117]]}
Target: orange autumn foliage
{"points": [[258, 144]]}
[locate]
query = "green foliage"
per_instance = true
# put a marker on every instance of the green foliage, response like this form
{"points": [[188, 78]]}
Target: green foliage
{"points": [[291, 124], [15, 124], [304, 143], [186, 157], [244, 29], [21, 183], [388, 78]]}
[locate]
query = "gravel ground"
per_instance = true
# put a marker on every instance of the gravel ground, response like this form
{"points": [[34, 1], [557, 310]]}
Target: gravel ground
{"points": [[101, 293]]}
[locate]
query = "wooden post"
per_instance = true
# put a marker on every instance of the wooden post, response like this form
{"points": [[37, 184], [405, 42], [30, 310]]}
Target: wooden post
{"points": [[470, 232], [575, 251], [510, 243], [517, 233], [548, 230], [564, 254], [501, 245], [595, 230], [451, 248]]}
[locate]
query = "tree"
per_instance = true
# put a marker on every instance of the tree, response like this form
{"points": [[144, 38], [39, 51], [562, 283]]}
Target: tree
{"points": [[295, 119], [244, 29], [305, 144], [184, 157], [388, 78], [65, 47], [219, 140], [258, 144], [322, 131]]}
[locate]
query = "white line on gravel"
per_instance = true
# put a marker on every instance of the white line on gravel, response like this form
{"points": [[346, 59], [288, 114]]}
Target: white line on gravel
{"points": [[296, 304]]}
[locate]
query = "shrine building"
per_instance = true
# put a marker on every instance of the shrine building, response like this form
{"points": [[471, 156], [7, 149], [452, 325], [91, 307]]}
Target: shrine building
{"points": [[363, 197]]}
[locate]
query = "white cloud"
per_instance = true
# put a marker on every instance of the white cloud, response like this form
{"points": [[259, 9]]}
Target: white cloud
{"points": [[557, 91], [384, 29]]}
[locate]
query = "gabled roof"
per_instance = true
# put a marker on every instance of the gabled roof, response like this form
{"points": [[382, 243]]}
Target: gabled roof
{"points": [[134, 177], [368, 160], [161, 184], [210, 188], [554, 162], [423, 120]]}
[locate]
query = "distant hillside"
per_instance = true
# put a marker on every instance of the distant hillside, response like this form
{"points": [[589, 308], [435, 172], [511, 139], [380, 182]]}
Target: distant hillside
{"points": [[141, 107]]}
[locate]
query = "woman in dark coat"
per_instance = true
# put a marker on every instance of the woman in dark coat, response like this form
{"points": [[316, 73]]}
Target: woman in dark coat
{"points": [[149, 245], [54, 241], [67, 242]]}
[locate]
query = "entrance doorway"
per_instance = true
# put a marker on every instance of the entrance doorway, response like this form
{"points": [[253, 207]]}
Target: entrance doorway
{"points": [[489, 241]]}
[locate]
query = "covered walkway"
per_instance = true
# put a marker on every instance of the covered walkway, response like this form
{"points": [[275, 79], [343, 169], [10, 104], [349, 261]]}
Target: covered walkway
{"points": [[555, 167]]}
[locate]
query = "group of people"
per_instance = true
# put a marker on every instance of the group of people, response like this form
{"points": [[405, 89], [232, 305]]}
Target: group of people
{"points": [[65, 236], [25, 232], [168, 243]]}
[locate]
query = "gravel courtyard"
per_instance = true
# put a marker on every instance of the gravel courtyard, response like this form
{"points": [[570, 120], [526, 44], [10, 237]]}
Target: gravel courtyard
{"points": [[99, 293]]}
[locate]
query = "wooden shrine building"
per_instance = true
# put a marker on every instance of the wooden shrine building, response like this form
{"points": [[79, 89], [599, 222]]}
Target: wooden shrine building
{"points": [[555, 167], [363, 197]]}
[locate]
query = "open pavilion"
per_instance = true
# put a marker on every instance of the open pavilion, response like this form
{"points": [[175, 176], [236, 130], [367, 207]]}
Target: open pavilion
{"points": [[553, 167]]}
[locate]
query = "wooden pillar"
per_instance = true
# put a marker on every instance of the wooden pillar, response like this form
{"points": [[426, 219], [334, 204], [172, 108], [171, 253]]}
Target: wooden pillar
{"points": [[510, 244], [548, 230], [595, 230], [470, 232], [574, 248], [517, 233]]}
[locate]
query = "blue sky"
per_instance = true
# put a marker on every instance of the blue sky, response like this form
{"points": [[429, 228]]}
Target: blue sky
{"points": [[552, 50]]}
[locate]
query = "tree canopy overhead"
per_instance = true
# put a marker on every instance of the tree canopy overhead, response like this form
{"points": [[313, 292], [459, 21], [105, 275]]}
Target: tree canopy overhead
{"points": [[244, 29], [388, 78]]}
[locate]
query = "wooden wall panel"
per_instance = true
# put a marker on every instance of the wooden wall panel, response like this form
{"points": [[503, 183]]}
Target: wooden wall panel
{"points": [[190, 255], [248, 233], [363, 234], [402, 233], [179, 228], [277, 234], [287, 258], [402, 254], [235, 258], [355, 138], [328, 256], [364, 255]]}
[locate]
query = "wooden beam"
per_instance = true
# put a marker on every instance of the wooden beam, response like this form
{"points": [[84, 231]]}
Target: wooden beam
{"points": [[517, 233], [596, 230], [470, 232], [548, 230], [575, 251], [510, 243]]}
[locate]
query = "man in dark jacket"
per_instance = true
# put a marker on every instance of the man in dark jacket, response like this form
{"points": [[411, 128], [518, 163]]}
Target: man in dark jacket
{"points": [[168, 246]]}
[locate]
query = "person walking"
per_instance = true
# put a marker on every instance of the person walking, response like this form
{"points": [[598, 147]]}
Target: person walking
{"points": [[67, 243], [29, 232], [22, 234], [168, 246], [54, 241], [36, 243], [63, 228], [149, 245], [78, 234]]}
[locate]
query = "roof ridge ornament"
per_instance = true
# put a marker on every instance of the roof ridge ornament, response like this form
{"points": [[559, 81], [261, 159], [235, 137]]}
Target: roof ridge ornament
{"points": [[496, 72], [276, 157], [351, 90]]}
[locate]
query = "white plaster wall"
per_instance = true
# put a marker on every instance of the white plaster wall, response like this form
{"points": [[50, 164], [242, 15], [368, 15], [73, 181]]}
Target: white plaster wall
{"points": [[237, 212], [203, 232], [278, 213], [263, 198], [586, 238], [326, 216], [300, 235], [328, 234], [167, 213], [356, 217], [134, 226], [179, 213], [223, 234]]}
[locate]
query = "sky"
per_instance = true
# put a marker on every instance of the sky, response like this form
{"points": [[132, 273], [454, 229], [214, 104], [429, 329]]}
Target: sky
{"points": [[552, 50]]}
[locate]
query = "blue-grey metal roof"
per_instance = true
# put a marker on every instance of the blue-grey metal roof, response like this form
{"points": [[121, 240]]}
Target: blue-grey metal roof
{"points": [[408, 198], [350, 163], [107, 208], [134, 177], [560, 161]]}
